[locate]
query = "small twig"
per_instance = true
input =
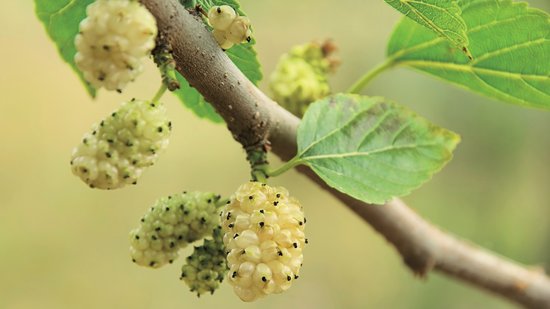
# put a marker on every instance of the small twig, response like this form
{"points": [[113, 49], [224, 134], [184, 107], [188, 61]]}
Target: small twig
{"points": [[200, 9], [251, 117]]}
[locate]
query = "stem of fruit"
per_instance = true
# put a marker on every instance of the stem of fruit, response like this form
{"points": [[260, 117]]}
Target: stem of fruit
{"points": [[257, 156], [222, 202], [372, 74], [166, 64], [159, 93]]}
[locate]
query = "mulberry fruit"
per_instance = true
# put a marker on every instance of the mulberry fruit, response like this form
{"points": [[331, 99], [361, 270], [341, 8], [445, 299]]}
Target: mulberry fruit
{"points": [[224, 43], [207, 266], [122, 146], [301, 77], [229, 27], [171, 224], [113, 42], [239, 31], [221, 17], [264, 238]]}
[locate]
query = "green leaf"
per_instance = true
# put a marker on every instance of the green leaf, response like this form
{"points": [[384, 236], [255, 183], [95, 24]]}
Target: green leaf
{"points": [[370, 148], [191, 99], [440, 16], [61, 19], [510, 43], [244, 56]]}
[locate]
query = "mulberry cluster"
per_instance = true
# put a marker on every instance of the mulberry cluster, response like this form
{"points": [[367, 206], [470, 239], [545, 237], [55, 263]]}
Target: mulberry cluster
{"points": [[229, 27], [171, 224], [264, 238], [122, 146], [113, 42], [207, 266], [301, 77]]}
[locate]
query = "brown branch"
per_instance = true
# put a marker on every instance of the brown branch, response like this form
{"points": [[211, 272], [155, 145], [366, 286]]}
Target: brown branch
{"points": [[251, 117]]}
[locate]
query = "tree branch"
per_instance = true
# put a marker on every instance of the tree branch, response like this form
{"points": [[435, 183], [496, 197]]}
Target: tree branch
{"points": [[252, 118]]}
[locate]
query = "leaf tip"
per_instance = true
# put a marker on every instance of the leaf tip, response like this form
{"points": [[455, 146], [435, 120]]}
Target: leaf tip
{"points": [[455, 140]]}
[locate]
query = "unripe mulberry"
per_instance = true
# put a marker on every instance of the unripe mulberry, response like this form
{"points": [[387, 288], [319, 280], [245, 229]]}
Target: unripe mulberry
{"points": [[113, 42], [206, 267], [122, 146], [224, 43], [301, 77], [221, 17], [229, 27], [264, 238], [239, 31], [171, 224]]}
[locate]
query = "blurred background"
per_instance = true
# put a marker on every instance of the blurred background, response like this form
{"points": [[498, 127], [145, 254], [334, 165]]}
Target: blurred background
{"points": [[63, 245]]}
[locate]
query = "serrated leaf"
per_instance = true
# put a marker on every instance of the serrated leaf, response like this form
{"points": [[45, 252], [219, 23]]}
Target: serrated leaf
{"points": [[244, 56], [440, 16], [61, 19], [510, 43], [371, 148]]}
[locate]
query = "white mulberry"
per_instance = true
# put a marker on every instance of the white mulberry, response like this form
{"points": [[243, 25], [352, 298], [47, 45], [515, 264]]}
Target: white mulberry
{"points": [[224, 43], [171, 224], [229, 27], [221, 17], [113, 42], [206, 267], [122, 146], [264, 238], [239, 31]]}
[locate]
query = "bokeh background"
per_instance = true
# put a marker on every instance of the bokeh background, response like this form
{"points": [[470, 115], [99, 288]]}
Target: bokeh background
{"points": [[63, 245]]}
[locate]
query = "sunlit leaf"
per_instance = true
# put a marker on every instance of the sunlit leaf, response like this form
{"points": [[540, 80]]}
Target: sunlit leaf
{"points": [[371, 148], [61, 19], [510, 43], [440, 16]]}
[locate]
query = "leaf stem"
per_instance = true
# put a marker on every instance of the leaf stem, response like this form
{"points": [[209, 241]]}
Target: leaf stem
{"points": [[281, 170], [260, 169], [159, 93], [367, 78]]}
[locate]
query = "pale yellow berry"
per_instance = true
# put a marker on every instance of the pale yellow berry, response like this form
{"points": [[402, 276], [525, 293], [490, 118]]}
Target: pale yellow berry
{"points": [[224, 43], [264, 238], [113, 42], [221, 17], [239, 31], [122, 146]]}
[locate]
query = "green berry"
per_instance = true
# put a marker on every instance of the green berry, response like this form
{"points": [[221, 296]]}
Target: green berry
{"points": [[113, 42], [122, 146], [170, 225], [264, 235], [301, 77], [207, 266]]}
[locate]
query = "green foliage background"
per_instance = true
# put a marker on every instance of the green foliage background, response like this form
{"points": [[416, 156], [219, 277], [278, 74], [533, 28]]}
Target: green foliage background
{"points": [[63, 245]]}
